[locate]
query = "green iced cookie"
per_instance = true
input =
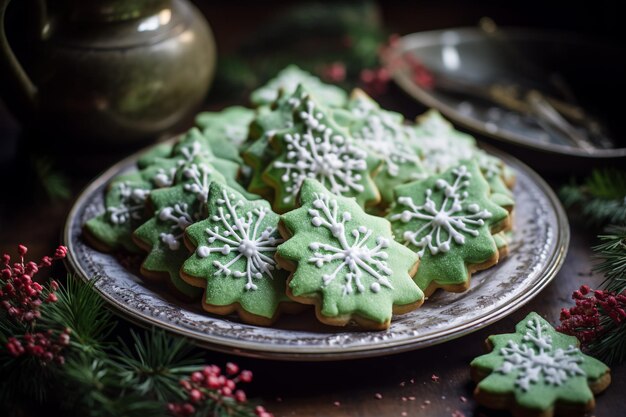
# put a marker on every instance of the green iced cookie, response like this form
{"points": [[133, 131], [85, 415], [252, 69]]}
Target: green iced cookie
{"points": [[124, 210], [345, 261], [193, 144], [174, 209], [226, 131], [448, 220], [383, 134], [317, 148], [444, 147], [538, 371], [152, 155], [258, 153], [288, 80], [233, 258]]}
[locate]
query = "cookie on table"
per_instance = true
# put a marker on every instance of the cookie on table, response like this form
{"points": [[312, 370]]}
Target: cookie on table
{"points": [[345, 261], [288, 80], [448, 220], [174, 209], [233, 258], [225, 131], [538, 372], [382, 133], [318, 148]]}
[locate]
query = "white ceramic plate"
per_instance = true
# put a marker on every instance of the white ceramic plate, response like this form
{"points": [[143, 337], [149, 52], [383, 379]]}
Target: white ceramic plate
{"points": [[536, 254]]}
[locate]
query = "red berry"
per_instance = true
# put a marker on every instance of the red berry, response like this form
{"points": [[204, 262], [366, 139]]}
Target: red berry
{"points": [[195, 395], [21, 249], [231, 368], [197, 377], [245, 376], [188, 409], [240, 396]]}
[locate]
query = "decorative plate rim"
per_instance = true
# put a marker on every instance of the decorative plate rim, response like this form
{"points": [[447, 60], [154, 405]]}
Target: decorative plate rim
{"points": [[311, 353], [431, 38]]}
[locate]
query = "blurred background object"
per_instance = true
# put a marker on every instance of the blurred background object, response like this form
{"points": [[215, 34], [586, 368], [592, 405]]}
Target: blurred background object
{"points": [[107, 71]]}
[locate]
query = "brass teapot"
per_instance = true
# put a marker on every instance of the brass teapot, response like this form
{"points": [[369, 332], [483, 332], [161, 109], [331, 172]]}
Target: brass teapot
{"points": [[110, 72]]}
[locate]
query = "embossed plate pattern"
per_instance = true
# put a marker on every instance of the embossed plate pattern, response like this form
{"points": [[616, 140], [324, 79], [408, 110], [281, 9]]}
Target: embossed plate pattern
{"points": [[536, 254]]}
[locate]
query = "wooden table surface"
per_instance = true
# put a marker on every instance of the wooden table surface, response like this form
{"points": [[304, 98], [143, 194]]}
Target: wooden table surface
{"points": [[428, 382]]}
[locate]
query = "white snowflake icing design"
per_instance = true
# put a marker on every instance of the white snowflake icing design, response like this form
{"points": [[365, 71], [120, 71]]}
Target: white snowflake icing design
{"points": [[356, 257], [198, 181], [165, 177], [131, 203], [241, 234], [446, 223], [322, 154], [179, 217], [386, 138], [489, 165], [440, 144], [536, 358]]}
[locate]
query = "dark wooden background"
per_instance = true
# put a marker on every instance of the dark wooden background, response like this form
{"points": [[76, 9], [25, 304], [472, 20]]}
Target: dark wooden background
{"points": [[396, 385]]}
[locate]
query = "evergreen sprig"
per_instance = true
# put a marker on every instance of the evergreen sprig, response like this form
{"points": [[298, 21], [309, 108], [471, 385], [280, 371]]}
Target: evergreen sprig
{"points": [[103, 375], [600, 198], [611, 253], [155, 363]]}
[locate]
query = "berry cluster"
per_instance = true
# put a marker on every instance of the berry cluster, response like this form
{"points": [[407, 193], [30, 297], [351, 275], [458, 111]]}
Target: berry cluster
{"points": [[594, 309], [211, 389], [21, 298], [43, 346]]}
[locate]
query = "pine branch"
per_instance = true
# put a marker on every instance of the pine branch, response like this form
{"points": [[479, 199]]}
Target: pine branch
{"points": [[600, 199], [82, 310], [612, 255], [155, 364], [94, 388]]}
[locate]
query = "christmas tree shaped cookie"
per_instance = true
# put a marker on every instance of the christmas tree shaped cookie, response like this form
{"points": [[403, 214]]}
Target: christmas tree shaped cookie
{"points": [[317, 148], [175, 208], [124, 210], [538, 372], [127, 193], [225, 131], [345, 261], [193, 144], [155, 153], [444, 147], [233, 258], [448, 220], [382, 133], [289, 79], [257, 155]]}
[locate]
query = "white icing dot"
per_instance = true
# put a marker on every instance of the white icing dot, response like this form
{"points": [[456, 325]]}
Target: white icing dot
{"points": [[203, 251]]}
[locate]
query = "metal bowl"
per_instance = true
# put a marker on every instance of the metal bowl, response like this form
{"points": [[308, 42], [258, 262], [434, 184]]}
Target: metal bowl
{"points": [[593, 72]]}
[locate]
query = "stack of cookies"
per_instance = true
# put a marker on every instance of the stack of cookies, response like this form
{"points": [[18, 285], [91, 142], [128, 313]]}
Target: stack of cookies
{"points": [[312, 197]]}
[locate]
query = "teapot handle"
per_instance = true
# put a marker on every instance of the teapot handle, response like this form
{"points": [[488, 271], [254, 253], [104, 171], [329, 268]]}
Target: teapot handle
{"points": [[15, 76]]}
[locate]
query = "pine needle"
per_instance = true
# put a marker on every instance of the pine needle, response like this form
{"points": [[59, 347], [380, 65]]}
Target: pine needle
{"points": [[601, 199], [82, 310], [156, 362], [612, 255]]}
